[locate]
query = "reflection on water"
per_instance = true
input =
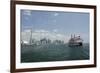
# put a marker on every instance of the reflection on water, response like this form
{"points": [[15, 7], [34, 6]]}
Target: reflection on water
{"points": [[51, 52], [79, 53]]}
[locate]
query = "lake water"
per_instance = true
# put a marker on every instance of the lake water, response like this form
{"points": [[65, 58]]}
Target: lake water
{"points": [[51, 52]]}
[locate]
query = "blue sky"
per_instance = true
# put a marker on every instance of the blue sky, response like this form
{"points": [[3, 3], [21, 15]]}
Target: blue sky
{"points": [[55, 21]]}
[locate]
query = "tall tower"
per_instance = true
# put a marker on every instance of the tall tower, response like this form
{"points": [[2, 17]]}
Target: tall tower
{"points": [[31, 37]]}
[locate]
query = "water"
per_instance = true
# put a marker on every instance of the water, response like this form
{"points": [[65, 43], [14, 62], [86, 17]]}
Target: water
{"points": [[52, 52]]}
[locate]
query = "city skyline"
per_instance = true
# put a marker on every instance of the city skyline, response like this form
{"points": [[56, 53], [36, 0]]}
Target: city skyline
{"points": [[64, 23]]}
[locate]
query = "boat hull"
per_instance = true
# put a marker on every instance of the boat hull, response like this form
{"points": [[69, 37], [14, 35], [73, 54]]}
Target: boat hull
{"points": [[76, 44]]}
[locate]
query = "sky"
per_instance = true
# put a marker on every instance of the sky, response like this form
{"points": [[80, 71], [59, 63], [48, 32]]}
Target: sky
{"points": [[62, 23]]}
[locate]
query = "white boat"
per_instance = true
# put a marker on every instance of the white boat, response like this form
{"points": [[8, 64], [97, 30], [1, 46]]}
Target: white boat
{"points": [[75, 41]]}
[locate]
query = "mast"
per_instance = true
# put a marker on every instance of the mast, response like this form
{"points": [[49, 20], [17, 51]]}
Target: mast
{"points": [[31, 37]]}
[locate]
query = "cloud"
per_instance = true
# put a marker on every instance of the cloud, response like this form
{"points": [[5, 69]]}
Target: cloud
{"points": [[27, 31], [27, 12], [41, 31], [56, 14], [52, 35], [55, 30], [39, 34]]}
